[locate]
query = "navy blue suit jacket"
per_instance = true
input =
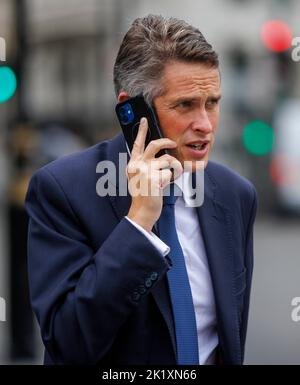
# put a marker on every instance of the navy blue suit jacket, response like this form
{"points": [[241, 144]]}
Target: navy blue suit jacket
{"points": [[98, 286]]}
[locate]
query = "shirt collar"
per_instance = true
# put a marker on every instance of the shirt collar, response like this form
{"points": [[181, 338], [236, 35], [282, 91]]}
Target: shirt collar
{"points": [[184, 183], [190, 187]]}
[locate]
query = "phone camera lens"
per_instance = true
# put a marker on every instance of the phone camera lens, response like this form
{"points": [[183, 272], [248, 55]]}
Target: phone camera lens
{"points": [[126, 114]]}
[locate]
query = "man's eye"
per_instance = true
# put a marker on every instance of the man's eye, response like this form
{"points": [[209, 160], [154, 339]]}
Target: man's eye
{"points": [[184, 104], [212, 102]]}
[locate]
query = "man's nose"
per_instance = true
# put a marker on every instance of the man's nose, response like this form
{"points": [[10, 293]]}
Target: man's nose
{"points": [[202, 122]]}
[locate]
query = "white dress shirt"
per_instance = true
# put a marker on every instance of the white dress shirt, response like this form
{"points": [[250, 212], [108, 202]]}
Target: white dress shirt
{"points": [[191, 241]]}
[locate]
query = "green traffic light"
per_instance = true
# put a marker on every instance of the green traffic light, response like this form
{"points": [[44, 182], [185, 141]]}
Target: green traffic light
{"points": [[8, 83], [258, 138]]}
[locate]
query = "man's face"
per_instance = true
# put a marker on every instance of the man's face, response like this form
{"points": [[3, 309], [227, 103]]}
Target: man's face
{"points": [[188, 111]]}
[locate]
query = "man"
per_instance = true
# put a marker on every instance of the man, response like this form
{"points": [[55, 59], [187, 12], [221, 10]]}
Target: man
{"points": [[101, 269]]}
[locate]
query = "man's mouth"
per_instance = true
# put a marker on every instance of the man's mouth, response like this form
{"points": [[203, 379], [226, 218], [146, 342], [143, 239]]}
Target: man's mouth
{"points": [[198, 145]]}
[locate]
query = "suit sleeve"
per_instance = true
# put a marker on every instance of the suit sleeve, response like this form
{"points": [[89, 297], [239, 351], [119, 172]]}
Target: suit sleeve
{"points": [[249, 267], [81, 296]]}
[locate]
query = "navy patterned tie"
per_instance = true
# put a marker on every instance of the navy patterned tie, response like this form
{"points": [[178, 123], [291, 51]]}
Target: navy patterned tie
{"points": [[179, 287]]}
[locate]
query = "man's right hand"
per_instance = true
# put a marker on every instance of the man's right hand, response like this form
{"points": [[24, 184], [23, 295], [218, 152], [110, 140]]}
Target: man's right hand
{"points": [[148, 176]]}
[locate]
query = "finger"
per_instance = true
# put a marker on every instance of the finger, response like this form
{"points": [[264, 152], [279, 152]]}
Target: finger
{"points": [[136, 166], [176, 168], [158, 164], [139, 143], [165, 178], [166, 157], [173, 164], [156, 145]]}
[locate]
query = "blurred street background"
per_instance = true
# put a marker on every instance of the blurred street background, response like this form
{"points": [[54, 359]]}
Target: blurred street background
{"points": [[62, 54]]}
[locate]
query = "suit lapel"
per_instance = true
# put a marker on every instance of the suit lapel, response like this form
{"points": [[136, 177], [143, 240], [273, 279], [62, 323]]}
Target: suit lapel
{"points": [[215, 223], [121, 205]]}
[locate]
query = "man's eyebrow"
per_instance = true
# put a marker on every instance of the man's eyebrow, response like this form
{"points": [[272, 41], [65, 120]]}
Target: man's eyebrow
{"points": [[215, 97], [184, 98], [193, 98]]}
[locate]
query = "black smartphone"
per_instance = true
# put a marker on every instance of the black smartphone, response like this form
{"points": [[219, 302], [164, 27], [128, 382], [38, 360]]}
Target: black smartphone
{"points": [[130, 113]]}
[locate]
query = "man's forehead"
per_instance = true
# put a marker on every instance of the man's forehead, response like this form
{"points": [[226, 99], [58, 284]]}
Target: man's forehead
{"points": [[181, 67], [191, 77]]}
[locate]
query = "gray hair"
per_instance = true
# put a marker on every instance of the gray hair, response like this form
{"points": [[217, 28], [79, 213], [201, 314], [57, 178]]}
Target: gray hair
{"points": [[148, 45]]}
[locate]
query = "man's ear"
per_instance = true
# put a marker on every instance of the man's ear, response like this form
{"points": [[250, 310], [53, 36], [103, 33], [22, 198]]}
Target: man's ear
{"points": [[123, 96]]}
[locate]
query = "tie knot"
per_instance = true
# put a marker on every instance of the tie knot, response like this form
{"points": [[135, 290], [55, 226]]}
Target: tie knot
{"points": [[170, 194]]}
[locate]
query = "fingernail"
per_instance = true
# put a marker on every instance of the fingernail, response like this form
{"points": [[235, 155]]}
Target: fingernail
{"points": [[143, 121]]}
